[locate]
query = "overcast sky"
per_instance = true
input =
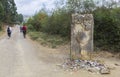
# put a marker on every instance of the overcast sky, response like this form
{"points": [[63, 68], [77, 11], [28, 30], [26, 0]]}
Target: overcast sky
{"points": [[30, 7]]}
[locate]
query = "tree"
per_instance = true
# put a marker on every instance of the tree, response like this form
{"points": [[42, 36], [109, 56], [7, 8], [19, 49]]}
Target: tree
{"points": [[10, 12], [1, 12], [19, 18], [80, 6]]}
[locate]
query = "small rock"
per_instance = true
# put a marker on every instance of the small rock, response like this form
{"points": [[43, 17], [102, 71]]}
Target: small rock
{"points": [[105, 71], [71, 67], [112, 68], [91, 70], [117, 64]]}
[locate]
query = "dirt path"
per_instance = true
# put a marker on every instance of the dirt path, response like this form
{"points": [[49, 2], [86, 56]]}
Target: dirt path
{"points": [[21, 57]]}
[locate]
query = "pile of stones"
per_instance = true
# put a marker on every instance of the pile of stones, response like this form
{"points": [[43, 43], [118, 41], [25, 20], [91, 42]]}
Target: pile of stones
{"points": [[91, 66]]}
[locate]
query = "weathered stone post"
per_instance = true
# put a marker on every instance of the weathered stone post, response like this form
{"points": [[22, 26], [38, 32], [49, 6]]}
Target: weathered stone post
{"points": [[81, 35]]}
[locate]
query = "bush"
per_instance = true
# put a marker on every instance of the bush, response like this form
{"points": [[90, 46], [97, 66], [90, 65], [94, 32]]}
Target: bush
{"points": [[107, 29]]}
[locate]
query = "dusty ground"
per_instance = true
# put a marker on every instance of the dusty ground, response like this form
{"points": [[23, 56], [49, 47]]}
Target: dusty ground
{"points": [[21, 57]]}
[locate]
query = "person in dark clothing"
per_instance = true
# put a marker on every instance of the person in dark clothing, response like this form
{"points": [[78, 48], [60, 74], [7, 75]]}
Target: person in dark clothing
{"points": [[9, 31], [24, 29]]}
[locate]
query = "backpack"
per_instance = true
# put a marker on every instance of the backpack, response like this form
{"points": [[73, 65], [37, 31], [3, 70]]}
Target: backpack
{"points": [[24, 28], [8, 30]]}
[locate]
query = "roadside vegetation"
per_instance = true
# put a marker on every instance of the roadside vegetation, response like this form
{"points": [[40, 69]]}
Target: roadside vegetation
{"points": [[8, 14], [45, 39], [58, 22]]}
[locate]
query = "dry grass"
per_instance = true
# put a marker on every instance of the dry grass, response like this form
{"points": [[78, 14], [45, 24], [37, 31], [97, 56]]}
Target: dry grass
{"points": [[48, 40], [104, 54], [1, 33]]}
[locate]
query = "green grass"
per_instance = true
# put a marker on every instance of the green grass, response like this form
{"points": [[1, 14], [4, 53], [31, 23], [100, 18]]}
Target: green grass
{"points": [[48, 40]]}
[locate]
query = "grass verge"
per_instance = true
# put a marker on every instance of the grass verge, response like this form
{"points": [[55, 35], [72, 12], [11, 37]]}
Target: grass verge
{"points": [[48, 40], [1, 32]]}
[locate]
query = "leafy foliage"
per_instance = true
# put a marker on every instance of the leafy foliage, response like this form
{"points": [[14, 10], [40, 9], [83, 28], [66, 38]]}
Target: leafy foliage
{"points": [[107, 29], [57, 23], [8, 12]]}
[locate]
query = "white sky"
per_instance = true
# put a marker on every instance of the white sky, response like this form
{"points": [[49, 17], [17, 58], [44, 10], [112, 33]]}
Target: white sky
{"points": [[30, 7]]}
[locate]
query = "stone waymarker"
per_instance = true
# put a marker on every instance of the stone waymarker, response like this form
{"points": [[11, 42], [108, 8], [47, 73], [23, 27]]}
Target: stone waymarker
{"points": [[81, 35]]}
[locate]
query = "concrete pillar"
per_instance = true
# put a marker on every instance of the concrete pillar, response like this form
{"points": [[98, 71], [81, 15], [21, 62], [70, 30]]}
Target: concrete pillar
{"points": [[81, 35]]}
